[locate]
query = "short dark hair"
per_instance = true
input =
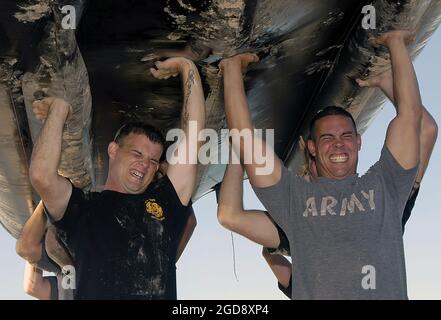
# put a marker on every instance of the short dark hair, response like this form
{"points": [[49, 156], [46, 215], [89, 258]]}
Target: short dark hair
{"points": [[143, 128], [329, 111]]}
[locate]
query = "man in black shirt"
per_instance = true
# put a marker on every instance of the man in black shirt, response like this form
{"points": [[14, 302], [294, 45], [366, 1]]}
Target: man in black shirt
{"points": [[124, 240]]}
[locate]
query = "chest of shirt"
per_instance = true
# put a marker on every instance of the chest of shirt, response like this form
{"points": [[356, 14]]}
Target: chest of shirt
{"points": [[116, 228], [332, 215]]}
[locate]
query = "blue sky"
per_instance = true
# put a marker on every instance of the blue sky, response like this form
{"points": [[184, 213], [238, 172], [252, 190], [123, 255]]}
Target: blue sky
{"points": [[206, 269]]}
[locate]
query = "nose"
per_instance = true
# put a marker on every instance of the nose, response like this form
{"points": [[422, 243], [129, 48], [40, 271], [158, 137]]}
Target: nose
{"points": [[145, 163], [338, 143]]}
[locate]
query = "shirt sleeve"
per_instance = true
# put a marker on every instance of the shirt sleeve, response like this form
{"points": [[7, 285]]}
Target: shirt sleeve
{"points": [[75, 212], [398, 181], [167, 187], [170, 199], [277, 199]]}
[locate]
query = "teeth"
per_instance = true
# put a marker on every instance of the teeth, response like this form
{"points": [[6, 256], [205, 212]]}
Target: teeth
{"points": [[137, 174], [339, 158]]}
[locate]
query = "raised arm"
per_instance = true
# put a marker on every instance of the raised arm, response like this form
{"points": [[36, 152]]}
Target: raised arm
{"points": [[29, 244], [252, 224], [238, 117], [403, 133], [429, 128], [183, 174], [34, 284], [53, 189]]}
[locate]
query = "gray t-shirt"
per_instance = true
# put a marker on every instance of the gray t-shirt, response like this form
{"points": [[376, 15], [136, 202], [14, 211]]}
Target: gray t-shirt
{"points": [[345, 235]]}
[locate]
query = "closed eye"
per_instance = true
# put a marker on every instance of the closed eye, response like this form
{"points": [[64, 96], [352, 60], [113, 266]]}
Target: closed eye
{"points": [[325, 137], [136, 153]]}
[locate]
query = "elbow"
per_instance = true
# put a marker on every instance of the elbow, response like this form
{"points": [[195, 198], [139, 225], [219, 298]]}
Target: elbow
{"points": [[29, 288], [27, 251], [34, 289], [39, 179], [429, 131], [226, 218]]}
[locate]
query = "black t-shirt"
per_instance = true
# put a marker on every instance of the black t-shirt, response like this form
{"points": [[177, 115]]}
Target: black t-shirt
{"points": [[125, 245]]}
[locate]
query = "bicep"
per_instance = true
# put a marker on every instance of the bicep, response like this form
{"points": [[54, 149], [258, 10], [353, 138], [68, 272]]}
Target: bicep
{"points": [[56, 197], [402, 140], [183, 178], [265, 170]]}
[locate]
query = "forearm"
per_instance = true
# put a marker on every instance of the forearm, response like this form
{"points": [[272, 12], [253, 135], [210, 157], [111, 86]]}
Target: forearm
{"points": [[193, 109], [34, 284], [231, 192], [405, 84], [236, 105], [263, 171], [47, 149], [29, 244]]}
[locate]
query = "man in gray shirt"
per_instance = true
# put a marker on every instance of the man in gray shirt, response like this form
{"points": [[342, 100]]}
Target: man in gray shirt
{"points": [[344, 230]]}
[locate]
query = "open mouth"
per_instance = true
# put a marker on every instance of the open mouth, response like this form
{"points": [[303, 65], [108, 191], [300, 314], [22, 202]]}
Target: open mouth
{"points": [[339, 158], [137, 174]]}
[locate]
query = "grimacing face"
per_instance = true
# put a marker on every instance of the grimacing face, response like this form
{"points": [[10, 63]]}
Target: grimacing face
{"points": [[335, 146], [133, 163]]}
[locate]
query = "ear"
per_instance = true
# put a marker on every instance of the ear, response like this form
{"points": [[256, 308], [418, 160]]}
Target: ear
{"points": [[111, 149], [359, 141], [311, 147]]}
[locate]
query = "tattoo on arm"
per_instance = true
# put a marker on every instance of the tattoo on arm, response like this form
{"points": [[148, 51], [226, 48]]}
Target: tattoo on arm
{"points": [[187, 91]]}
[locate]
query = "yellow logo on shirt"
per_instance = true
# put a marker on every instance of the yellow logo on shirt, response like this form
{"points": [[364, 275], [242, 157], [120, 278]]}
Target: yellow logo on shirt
{"points": [[154, 209]]}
